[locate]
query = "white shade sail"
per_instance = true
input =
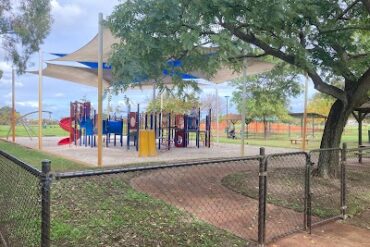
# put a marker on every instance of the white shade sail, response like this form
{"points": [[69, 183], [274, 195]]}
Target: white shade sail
{"points": [[74, 74], [89, 52], [254, 67]]}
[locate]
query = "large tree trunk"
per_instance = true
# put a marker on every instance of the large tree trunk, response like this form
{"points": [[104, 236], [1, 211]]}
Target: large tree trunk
{"points": [[328, 165]]}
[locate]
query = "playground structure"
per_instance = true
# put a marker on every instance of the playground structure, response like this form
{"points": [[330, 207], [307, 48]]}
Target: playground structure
{"points": [[21, 120], [170, 130], [81, 124]]}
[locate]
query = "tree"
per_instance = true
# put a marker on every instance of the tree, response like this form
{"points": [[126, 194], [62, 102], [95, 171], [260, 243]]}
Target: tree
{"points": [[320, 103], [326, 39], [174, 104], [23, 26], [268, 96], [214, 102], [6, 115]]}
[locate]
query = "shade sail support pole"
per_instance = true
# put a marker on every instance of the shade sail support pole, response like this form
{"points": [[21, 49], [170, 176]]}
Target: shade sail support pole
{"points": [[304, 136], [14, 121], [40, 101], [244, 106], [100, 92]]}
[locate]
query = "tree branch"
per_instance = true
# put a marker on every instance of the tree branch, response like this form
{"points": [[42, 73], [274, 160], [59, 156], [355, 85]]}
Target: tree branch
{"points": [[248, 56], [340, 16], [341, 29], [319, 84], [358, 56], [366, 3]]}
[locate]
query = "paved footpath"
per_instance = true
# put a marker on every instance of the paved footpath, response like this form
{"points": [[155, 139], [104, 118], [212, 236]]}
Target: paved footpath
{"points": [[330, 235]]}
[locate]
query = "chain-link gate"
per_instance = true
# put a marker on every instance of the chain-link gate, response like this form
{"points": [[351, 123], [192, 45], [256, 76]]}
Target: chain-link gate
{"points": [[326, 189], [283, 195]]}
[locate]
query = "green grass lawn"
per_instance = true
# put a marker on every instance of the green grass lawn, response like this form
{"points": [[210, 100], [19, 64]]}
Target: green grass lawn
{"points": [[98, 211], [49, 130], [34, 157], [107, 211], [350, 136], [286, 189]]}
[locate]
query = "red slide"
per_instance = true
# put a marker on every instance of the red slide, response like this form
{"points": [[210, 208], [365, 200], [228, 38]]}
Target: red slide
{"points": [[65, 124]]}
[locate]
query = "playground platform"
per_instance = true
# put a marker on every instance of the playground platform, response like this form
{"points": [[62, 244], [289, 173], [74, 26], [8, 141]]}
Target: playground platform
{"points": [[117, 155]]}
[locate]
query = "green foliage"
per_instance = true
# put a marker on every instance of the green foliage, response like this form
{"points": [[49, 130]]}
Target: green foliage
{"points": [[174, 104], [6, 114], [267, 95], [23, 27], [320, 103], [328, 39]]}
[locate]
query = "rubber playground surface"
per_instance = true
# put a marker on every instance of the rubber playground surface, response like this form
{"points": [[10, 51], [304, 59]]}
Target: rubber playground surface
{"points": [[117, 155]]}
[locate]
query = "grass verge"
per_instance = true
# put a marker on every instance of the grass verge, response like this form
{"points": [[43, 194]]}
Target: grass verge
{"points": [[96, 211], [34, 157]]}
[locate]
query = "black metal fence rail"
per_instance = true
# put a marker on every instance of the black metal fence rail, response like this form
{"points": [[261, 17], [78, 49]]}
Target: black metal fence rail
{"points": [[259, 198], [32, 170], [100, 172], [20, 207]]}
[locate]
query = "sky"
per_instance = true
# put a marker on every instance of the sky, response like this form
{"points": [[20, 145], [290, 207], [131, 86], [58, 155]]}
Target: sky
{"points": [[75, 23]]}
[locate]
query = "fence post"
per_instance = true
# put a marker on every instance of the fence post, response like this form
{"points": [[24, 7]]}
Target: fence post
{"points": [[305, 210], [343, 182], [308, 195], [262, 199], [45, 203]]}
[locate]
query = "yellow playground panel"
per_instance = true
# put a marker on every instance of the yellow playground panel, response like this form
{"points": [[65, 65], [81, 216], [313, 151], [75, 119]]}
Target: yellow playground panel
{"points": [[147, 145]]}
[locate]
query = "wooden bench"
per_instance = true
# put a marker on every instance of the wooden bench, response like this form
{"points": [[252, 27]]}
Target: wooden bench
{"points": [[297, 140]]}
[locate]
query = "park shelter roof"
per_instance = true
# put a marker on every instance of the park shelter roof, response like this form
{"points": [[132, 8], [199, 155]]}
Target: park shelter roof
{"points": [[309, 114], [364, 108]]}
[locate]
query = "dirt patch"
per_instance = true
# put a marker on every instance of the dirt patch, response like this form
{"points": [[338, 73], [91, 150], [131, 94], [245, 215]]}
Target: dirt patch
{"points": [[329, 235]]}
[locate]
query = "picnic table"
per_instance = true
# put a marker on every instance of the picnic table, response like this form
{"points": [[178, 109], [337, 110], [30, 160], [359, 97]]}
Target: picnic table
{"points": [[298, 140]]}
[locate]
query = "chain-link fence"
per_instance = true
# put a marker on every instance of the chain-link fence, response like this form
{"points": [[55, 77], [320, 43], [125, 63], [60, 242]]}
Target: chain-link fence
{"points": [[325, 186], [358, 186], [214, 203], [286, 194], [20, 203], [229, 202]]}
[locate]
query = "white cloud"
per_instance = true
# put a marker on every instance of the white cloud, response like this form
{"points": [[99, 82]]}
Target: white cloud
{"points": [[59, 95], [8, 95], [65, 14], [5, 67], [28, 103], [8, 82]]}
